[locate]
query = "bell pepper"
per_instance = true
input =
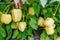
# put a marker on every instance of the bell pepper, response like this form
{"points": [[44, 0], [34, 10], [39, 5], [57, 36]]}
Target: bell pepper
{"points": [[16, 15], [6, 18], [41, 21], [22, 26]]}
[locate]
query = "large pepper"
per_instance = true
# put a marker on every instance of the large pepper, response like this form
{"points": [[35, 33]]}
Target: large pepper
{"points": [[6, 18], [16, 15], [49, 26]]}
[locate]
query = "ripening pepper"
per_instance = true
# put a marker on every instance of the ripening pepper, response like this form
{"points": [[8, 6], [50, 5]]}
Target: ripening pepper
{"points": [[16, 15], [6, 18], [22, 26]]}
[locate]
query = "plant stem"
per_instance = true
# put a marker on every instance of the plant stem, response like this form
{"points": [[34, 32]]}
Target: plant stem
{"points": [[6, 9], [56, 10]]}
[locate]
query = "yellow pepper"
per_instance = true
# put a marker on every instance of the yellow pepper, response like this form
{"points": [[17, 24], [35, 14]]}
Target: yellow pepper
{"points": [[41, 21], [49, 31], [16, 14], [6, 18], [48, 22], [22, 26]]}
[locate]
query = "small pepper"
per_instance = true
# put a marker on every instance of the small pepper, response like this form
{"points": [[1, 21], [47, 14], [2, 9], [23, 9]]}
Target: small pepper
{"points": [[41, 21], [31, 11], [22, 26]]}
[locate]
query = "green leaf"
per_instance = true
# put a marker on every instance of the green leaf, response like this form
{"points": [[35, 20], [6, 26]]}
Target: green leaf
{"points": [[8, 29], [1, 38], [29, 31], [54, 36], [56, 19], [33, 23], [43, 2], [30, 38], [58, 14], [44, 36], [30, 1], [52, 1], [15, 33], [58, 28], [24, 35], [2, 7], [2, 32], [49, 13], [36, 9]]}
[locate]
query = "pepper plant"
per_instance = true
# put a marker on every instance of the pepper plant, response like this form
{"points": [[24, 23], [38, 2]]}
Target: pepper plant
{"points": [[29, 19]]}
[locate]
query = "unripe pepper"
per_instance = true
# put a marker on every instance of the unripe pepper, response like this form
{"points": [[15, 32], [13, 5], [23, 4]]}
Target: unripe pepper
{"points": [[6, 18], [22, 26], [16, 15], [44, 11], [31, 11], [41, 21], [14, 25]]}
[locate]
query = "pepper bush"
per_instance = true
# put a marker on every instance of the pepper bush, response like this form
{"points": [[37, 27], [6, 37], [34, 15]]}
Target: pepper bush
{"points": [[30, 20]]}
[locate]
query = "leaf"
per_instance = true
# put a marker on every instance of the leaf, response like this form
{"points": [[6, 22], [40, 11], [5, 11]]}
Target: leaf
{"points": [[1, 38], [29, 31], [54, 36], [43, 3], [44, 36], [2, 32], [30, 38], [8, 29], [2, 7], [49, 13], [58, 28], [56, 19], [23, 35], [15, 33], [30, 1], [36, 9], [54, 1], [33, 23]]}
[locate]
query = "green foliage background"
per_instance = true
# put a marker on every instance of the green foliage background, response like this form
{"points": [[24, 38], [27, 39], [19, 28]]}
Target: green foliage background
{"points": [[44, 8]]}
